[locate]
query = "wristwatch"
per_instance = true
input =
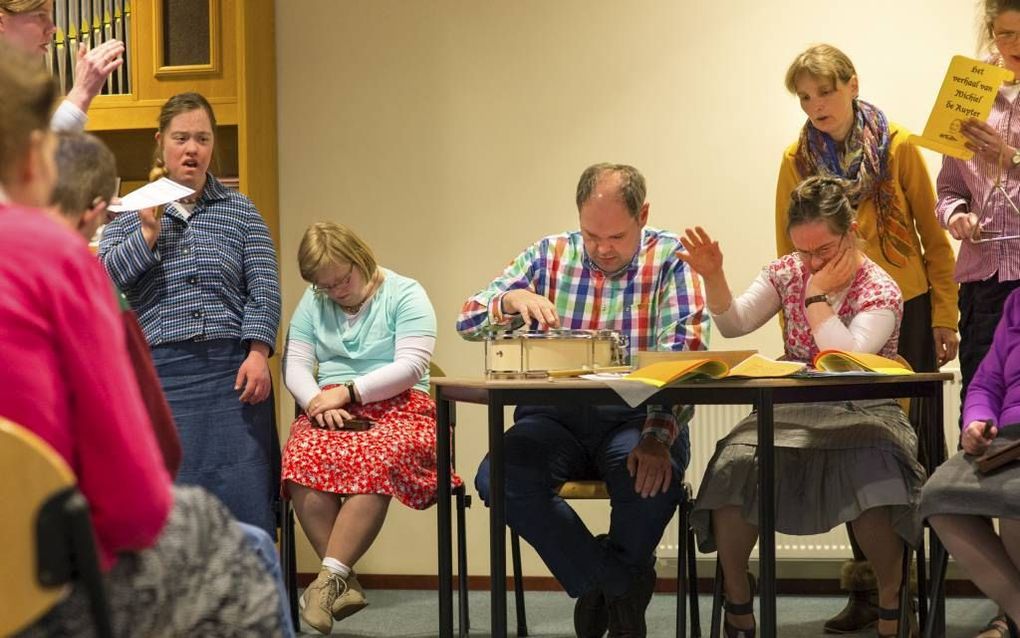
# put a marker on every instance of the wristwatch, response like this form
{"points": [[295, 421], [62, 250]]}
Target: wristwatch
{"points": [[814, 299], [350, 391], [659, 434]]}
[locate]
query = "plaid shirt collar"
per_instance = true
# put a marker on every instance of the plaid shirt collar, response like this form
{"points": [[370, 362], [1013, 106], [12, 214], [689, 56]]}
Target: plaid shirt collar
{"points": [[590, 264]]}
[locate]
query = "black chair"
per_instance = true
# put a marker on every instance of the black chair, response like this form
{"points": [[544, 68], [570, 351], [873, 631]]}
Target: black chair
{"points": [[687, 570], [46, 537]]}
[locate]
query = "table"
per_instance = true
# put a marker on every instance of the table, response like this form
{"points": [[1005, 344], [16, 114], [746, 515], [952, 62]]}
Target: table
{"points": [[764, 394]]}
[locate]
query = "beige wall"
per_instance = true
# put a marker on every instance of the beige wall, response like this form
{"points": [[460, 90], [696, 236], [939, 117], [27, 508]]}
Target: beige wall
{"points": [[451, 134]]}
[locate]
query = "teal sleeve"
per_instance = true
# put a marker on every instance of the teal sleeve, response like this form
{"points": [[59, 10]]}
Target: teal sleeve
{"points": [[415, 316], [302, 322]]}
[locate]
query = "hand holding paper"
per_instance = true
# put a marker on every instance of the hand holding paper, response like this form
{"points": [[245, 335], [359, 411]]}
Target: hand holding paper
{"points": [[162, 191], [967, 94]]}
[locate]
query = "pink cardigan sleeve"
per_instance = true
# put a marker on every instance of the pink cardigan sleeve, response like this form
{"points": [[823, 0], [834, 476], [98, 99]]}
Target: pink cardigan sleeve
{"points": [[115, 454]]}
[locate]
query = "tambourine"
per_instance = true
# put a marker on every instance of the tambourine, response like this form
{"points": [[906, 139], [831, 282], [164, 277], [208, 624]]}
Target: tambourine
{"points": [[536, 354]]}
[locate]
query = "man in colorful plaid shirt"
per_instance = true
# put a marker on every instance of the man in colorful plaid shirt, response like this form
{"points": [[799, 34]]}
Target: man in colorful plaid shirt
{"points": [[613, 274]]}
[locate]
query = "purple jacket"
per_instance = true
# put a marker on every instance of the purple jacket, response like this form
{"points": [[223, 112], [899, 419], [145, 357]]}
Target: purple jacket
{"points": [[994, 392]]}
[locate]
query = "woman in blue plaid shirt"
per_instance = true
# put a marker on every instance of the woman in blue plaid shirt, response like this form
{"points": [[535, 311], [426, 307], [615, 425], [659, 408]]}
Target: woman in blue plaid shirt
{"points": [[203, 278]]}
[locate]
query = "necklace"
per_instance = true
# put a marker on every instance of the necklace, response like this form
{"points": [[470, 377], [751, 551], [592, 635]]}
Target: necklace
{"points": [[370, 290]]}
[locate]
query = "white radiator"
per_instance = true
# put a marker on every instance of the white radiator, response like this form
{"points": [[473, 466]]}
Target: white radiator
{"points": [[712, 422]]}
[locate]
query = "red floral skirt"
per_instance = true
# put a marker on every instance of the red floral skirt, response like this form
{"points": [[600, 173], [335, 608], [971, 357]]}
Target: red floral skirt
{"points": [[396, 456]]}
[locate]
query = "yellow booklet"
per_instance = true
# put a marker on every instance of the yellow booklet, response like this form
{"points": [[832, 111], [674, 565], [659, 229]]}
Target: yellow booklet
{"points": [[840, 361], [968, 91], [664, 373]]}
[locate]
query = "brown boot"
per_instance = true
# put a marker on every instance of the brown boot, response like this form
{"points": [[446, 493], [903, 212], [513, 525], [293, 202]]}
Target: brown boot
{"points": [[861, 611]]}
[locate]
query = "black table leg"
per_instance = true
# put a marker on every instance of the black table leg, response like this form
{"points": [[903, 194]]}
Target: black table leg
{"points": [[767, 512], [936, 455], [497, 519], [443, 515]]}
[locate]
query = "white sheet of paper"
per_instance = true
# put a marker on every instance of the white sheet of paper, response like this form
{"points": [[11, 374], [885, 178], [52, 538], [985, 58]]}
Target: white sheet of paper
{"points": [[634, 393], [162, 191]]}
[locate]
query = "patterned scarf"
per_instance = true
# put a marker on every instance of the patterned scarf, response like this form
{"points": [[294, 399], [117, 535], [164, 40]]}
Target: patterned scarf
{"points": [[864, 162]]}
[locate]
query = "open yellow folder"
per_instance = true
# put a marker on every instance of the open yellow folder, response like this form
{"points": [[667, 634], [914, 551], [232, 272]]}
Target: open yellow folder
{"points": [[840, 361], [968, 91], [664, 373]]}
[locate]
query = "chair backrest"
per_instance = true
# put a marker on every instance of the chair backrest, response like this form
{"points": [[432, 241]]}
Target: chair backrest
{"points": [[434, 371], [33, 473]]}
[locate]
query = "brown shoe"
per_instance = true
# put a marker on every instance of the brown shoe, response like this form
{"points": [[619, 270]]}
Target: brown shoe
{"points": [[316, 602], [861, 610], [351, 598]]}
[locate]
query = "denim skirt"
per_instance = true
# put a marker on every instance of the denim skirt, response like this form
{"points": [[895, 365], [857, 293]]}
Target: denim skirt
{"points": [[227, 445]]}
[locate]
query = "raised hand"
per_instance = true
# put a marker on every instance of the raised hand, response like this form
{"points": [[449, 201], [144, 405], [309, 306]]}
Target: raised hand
{"points": [[92, 68], [702, 254]]}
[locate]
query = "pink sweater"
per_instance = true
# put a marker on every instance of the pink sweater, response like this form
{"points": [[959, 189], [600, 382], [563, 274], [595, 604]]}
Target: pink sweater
{"points": [[66, 376]]}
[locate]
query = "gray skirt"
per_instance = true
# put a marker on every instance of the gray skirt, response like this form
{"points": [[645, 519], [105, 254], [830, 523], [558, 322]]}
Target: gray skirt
{"points": [[833, 462], [956, 487], [199, 579]]}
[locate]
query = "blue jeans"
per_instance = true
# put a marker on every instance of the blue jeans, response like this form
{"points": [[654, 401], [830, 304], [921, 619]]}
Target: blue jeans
{"points": [[548, 446], [265, 549]]}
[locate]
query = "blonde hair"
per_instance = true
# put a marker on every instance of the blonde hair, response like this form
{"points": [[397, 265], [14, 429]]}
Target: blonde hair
{"points": [[28, 95], [178, 104], [822, 61], [328, 244], [20, 6]]}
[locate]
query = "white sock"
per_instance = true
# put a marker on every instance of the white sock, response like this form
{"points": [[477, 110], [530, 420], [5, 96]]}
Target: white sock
{"points": [[336, 567]]}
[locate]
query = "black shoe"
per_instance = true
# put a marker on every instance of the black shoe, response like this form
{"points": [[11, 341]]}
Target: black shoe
{"points": [[627, 611], [591, 615]]}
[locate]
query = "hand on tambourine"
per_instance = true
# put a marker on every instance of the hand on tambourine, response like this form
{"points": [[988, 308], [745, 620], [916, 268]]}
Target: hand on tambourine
{"points": [[531, 307]]}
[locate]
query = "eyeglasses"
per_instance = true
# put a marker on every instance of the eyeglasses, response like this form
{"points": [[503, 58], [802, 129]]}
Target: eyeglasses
{"points": [[1005, 37], [343, 282], [826, 252]]}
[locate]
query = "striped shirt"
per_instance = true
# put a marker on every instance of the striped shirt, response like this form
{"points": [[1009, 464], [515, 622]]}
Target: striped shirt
{"points": [[656, 303], [213, 273], [970, 186]]}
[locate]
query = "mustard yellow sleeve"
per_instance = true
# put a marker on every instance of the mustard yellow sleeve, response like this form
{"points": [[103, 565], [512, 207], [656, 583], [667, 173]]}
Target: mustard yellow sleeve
{"points": [[788, 180], [939, 262]]}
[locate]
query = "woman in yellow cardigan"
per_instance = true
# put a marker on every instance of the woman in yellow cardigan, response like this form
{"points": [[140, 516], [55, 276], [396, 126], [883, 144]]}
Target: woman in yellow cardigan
{"points": [[849, 138]]}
